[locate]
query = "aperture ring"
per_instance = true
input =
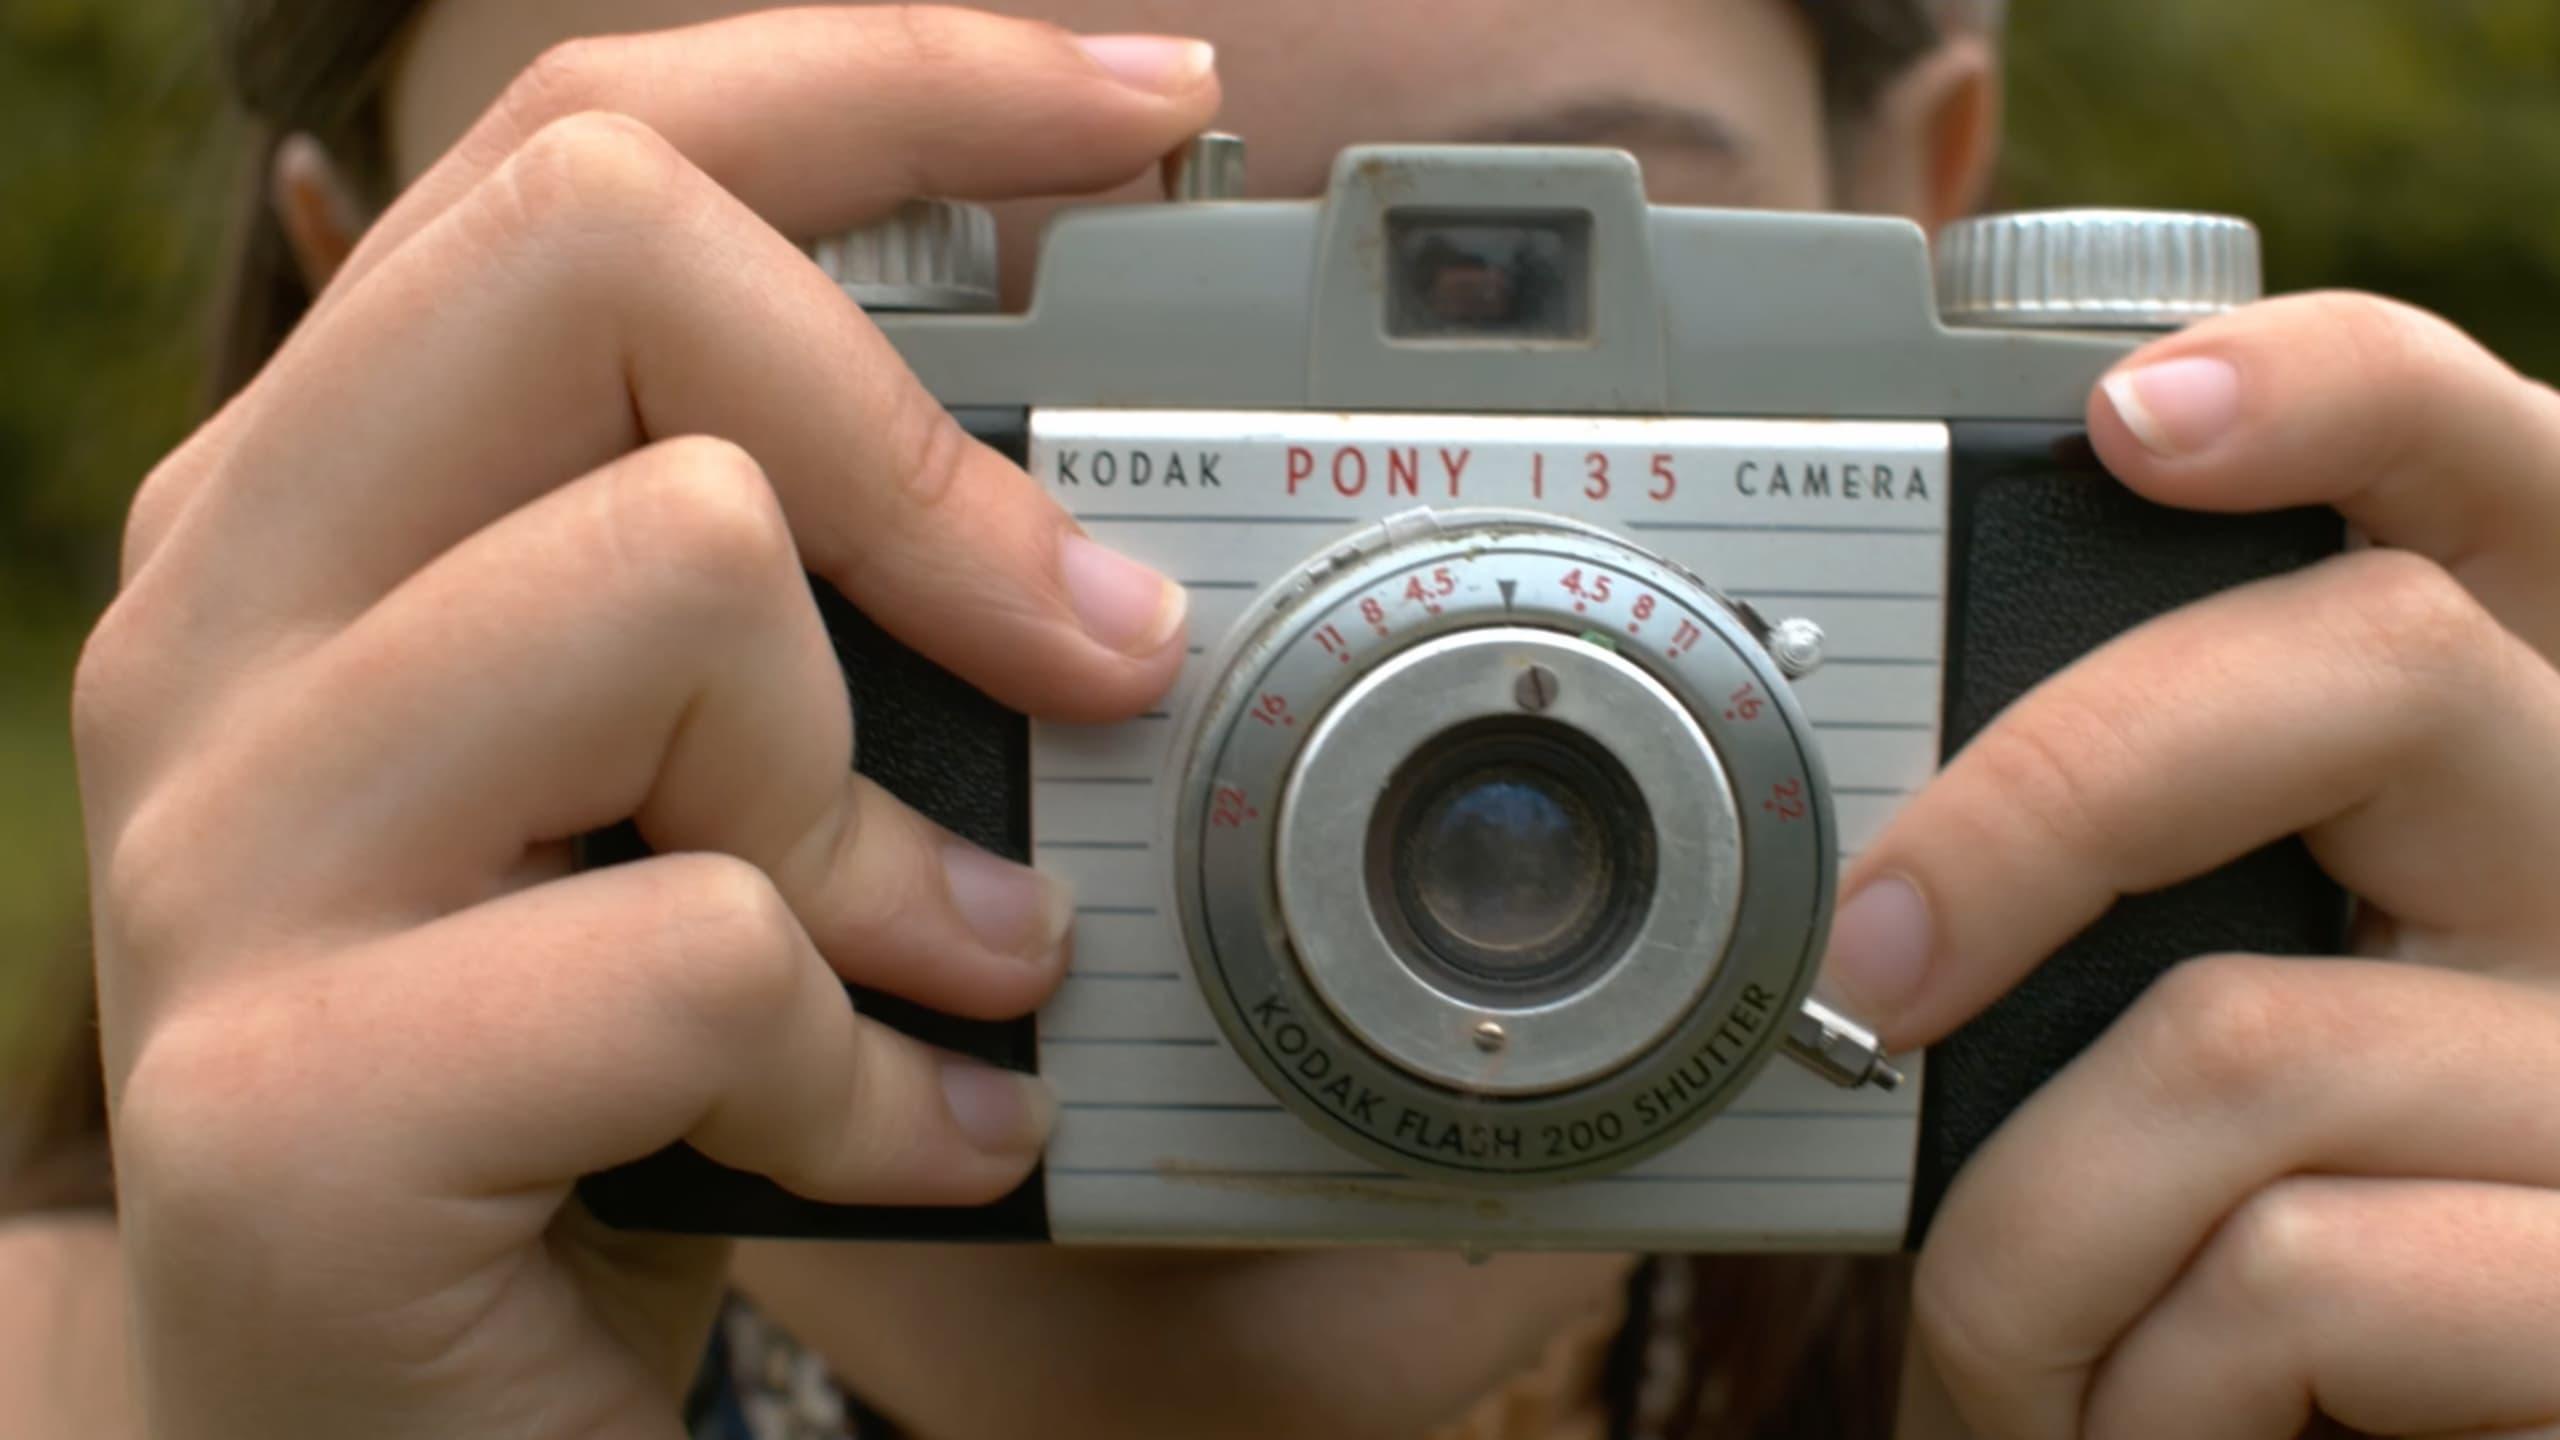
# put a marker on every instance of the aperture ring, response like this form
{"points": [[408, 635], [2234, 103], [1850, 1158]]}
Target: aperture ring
{"points": [[1402, 585]]}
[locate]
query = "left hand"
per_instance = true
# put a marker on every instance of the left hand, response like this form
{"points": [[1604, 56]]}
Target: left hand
{"points": [[2277, 1188]]}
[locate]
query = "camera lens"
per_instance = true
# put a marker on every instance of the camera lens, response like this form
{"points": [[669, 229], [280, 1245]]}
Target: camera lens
{"points": [[1511, 856], [1507, 863]]}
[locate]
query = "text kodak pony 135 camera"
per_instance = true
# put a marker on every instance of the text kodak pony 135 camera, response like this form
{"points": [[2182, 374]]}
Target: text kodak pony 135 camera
{"points": [[1575, 584]]}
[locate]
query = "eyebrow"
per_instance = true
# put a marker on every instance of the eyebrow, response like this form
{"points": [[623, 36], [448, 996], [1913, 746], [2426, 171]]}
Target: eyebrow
{"points": [[1597, 120]]}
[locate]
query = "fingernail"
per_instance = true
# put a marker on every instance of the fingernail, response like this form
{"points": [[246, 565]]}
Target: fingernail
{"points": [[1879, 949], [1013, 908], [2177, 407], [998, 1110], [1122, 603], [1159, 64]]}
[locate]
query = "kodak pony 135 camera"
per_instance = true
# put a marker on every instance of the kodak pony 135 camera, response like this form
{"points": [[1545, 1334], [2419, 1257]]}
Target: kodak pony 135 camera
{"points": [[1575, 584]]}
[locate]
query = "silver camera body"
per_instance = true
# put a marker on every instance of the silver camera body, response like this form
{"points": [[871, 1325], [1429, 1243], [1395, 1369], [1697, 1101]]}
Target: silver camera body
{"points": [[1487, 848], [1575, 586]]}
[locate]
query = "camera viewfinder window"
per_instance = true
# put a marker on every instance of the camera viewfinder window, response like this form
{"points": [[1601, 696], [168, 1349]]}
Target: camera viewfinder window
{"points": [[1504, 276]]}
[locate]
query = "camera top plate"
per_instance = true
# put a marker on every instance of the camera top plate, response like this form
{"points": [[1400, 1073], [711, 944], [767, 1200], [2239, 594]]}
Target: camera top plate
{"points": [[1285, 304]]}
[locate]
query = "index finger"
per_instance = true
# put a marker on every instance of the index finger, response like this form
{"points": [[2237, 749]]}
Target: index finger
{"points": [[600, 290], [2367, 703], [822, 119]]}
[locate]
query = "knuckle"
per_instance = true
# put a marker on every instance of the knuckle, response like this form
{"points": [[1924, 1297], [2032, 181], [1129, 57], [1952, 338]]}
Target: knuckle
{"points": [[158, 499], [157, 886], [2270, 1255], [960, 37], [735, 947], [146, 521], [2413, 617], [562, 80], [107, 681], [956, 43], [2049, 762], [1969, 1326], [2393, 352], [933, 451], [2217, 1034], [2385, 339], [874, 837], [196, 1129], [595, 169], [883, 909], [698, 515], [931, 35], [925, 457]]}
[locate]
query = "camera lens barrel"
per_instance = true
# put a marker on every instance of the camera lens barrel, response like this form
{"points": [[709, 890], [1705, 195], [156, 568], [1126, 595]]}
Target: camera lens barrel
{"points": [[1576, 838], [1486, 888], [1509, 853]]}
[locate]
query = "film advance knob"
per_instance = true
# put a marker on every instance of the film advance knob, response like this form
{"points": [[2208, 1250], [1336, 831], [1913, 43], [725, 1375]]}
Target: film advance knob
{"points": [[2095, 269], [927, 255]]}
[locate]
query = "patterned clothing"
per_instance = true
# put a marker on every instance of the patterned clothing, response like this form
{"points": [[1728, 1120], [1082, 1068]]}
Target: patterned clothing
{"points": [[757, 1383], [1617, 1376]]}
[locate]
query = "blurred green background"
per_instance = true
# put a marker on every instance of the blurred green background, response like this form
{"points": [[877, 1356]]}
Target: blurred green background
{"points": [[2406, 147]]}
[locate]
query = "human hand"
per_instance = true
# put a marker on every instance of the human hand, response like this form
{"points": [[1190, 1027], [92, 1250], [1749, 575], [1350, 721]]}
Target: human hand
{"points": [[463, 575], [2273, 1186]]}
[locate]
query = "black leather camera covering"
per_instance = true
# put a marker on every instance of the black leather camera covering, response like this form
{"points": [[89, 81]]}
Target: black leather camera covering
{"points": [[963, 760], [2051, 558]]}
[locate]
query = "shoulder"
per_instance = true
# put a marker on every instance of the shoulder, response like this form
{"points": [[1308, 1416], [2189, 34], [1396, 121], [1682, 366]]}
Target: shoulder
{"points": [[62, 1341]]}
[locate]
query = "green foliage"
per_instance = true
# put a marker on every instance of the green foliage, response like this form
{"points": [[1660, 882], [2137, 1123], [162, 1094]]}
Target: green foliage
{"points": [[112, 178], [2410, 148], [116, 185]]}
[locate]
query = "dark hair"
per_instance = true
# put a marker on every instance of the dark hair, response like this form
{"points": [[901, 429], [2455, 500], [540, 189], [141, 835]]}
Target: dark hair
{"points": [[53, 1144], [1781, 1347], [1865, 43]]}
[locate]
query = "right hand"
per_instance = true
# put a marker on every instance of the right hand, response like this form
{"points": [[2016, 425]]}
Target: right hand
{"points": [[461, 575]]}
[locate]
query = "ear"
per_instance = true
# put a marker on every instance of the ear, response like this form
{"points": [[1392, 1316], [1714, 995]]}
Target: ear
{"points": [[314, 207], [1929, 145]]}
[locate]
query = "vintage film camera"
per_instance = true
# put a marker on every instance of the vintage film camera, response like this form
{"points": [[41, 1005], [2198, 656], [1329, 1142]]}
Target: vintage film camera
{"points": [[1576, 584]]}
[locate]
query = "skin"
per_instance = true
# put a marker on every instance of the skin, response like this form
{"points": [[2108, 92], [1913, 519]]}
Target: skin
{"points": [[449, 582], [1269, 1334]]}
